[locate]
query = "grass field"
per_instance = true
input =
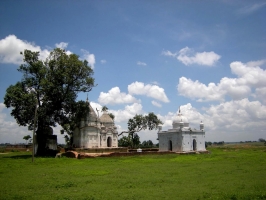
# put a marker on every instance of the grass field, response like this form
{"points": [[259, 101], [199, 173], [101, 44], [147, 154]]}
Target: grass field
{"points": [[228, 172]]}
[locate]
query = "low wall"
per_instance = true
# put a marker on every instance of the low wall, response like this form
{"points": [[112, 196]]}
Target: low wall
{"points": [[18, 147], [100, 150]]}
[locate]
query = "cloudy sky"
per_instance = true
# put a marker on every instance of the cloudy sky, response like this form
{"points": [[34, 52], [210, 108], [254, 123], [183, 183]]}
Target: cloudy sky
{"points": [[208, 57]]}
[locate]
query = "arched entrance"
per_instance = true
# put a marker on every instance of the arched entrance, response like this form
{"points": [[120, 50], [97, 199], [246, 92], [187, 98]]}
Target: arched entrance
{"points": [[194, 145], [109, 142], [170, 147]]}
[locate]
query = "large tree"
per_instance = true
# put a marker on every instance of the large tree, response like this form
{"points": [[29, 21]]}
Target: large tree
{"points": [[54, 85], [139, 123]]}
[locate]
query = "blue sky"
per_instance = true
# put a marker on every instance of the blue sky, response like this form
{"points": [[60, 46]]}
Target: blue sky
{"points": [[208, 57]]}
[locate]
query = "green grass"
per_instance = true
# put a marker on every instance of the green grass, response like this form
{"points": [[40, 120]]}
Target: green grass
{"points": [[228, 172]]}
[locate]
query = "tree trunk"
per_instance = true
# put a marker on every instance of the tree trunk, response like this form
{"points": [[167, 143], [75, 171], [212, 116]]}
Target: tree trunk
{"points": [[44, 136]]}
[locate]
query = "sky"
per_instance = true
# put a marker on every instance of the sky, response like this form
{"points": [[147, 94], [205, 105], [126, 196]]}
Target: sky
{"points": [[206, 57]]}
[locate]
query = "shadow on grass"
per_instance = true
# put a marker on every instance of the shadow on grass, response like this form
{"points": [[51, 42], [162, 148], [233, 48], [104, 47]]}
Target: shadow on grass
{"points": [[18, 156]]}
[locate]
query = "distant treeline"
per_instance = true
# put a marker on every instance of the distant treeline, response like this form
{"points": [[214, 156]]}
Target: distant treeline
{"points": [[222, 142]]}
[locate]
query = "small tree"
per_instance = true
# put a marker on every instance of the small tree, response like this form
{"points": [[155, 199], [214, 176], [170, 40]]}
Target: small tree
{"points": [[261, 140], [125, 141], [139, 123], [26, 137], [128, 141], [112, 116], [147, 144], [104, 108]]}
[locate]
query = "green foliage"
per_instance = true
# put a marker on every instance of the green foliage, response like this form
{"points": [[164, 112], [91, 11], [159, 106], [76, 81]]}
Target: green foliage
{"points": [[104, 108], [54, 84], [26, 137], [129, 141], [147, 144], [262, 140], [228, 172], [112, 116], [139, 123], [125, 141]]}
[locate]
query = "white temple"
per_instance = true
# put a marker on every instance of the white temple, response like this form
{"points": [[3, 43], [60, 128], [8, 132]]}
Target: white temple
{"points": [[95, 132], [182, 138]]}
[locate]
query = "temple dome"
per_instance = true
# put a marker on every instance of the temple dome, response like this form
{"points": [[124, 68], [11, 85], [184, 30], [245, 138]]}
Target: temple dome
{"points": [[105, 118], [92, 117], [180, 120]]}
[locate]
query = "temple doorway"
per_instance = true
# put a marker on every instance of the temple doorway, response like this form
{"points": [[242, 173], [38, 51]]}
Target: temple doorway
{"points": [[170, 148], [194, 145], [109, 142]]}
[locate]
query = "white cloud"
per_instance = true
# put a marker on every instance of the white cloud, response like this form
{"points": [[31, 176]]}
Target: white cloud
{"points": [[249, 76], [128, 112], [61, 45], [155, 83], [103, 61], [169, 53], [114, 96], [11, 46], [155, 103], [195, 89], [229, 121], [250, 73], [237, 116], [153, 91], [11, 132], [251, 8], [193, 115], [141, 63], [188, 57], [89, 57], [260, 94], [96, 107]]}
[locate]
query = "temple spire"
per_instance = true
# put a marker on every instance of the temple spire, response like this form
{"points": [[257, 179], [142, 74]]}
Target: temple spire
{"points": [[179, 109], [87, 100]]}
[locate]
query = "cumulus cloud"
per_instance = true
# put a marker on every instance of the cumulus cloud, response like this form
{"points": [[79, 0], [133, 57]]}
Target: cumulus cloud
{"points": [[196, 90], [11, 46], [260, 94], [96, 106], [193, 115], [114, 96], [155, 103], [128, 112], [188, 57], [234, 120], [141, 63], [250, 73], [149, 90], [237, 115], [89, 57], [249, 76], [103, 61]]}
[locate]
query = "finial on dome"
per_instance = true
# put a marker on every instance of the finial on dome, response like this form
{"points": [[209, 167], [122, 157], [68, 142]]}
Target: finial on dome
{"points": [[87, 98], [179, 109]]}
